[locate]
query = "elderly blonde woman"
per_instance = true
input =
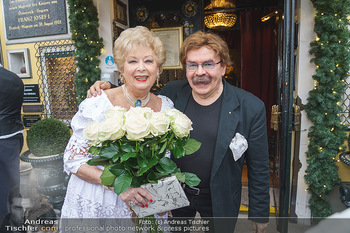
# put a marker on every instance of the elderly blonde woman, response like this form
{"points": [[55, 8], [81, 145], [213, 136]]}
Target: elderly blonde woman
{"points": [[139, 56]]}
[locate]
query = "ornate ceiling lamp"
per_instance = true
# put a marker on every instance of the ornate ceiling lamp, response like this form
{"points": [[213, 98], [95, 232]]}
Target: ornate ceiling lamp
{"points": [[220, 14]]}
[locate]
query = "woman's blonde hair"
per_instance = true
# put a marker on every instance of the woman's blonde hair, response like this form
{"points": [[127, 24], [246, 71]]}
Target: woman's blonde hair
{"points": [[135, 37], [209, 40]]}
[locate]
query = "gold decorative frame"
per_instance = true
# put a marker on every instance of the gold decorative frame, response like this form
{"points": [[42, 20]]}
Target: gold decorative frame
{"points": [[172, 38], [116, 31], [120, 14]]}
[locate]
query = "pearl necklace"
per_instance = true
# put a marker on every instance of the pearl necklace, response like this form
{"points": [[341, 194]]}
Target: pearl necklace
{"points": [[133, 101]]}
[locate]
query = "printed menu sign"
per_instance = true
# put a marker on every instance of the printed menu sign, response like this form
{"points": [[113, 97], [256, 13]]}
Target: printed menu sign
{"points": [[31, 94], [34, 18]]}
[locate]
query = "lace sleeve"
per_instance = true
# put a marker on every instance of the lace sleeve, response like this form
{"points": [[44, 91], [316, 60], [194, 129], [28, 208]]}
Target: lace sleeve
{"points": [[166, 103], [76, 152]]}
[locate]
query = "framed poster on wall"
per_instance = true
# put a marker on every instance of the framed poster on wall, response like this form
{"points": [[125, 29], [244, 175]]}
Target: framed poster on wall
{"points": [[116, 31], [172, 38], [120, 14]]}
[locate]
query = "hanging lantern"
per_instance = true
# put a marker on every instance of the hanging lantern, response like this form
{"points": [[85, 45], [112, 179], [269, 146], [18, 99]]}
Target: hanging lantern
{"points": [[221, 15]]}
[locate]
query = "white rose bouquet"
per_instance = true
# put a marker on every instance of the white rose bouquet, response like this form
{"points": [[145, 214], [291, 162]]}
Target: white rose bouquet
{"points": [[132, 145]]}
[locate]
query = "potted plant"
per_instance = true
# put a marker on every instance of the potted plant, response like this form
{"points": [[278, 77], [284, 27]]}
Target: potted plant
{"points": [[47, 140]]}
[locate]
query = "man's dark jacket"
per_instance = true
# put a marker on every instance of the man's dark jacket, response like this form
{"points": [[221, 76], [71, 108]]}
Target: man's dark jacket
{"points": [[11, 99], [241, 112]]}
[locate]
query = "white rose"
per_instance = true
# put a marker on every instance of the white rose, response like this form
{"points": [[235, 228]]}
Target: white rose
{"points": [[171, 113], [159, 123], [181, 125], [91, 132], [136, 124], [111, 129], [115, 112], [145, 112]]}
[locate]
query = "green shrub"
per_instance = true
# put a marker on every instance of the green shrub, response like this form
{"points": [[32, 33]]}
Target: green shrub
{"points": [[48, 137]]}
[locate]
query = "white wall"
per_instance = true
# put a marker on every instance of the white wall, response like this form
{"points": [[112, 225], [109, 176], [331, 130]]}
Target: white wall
{"points": [[304, 83], [105, 10]]}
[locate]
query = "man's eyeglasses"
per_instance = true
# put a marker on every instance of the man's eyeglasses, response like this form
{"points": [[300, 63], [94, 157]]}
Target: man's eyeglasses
{"points": [[208, 65]]}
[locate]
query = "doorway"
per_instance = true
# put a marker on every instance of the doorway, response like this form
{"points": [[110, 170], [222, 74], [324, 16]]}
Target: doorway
{"points": [[253, 48], [267, 70]]}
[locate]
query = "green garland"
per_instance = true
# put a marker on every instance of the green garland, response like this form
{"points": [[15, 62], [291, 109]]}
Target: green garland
{"points": [[84, 25], [327, 135]]}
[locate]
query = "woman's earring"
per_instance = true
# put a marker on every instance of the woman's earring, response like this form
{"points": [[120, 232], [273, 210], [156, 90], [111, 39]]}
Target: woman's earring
{"points": [[122, 78], [158, 81]]}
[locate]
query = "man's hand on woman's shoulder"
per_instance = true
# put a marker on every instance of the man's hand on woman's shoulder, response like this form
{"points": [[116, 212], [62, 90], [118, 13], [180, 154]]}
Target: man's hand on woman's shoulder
{"points": [[97, 87]]}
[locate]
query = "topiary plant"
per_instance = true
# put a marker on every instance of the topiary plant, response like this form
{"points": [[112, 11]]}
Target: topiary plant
{"points": [[48, 137]]}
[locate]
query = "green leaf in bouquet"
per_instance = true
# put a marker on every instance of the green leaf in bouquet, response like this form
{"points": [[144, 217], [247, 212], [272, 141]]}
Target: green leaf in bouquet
{"points": [[160, 169], [127, 147], [192, 146], [167, 164], [97, 160], [171, 137], [177, 170], [155, 149], [162, 149], [153, 161], [147, 152], [163, 138], [141, 161], [127, 156], [152, 177], [191, 179], [117, 169], [131, 165], [122, 183], [107, 177], [116, 157], [135, 182], [181, 177], [94, 150], [178, 151], [110, 151]]}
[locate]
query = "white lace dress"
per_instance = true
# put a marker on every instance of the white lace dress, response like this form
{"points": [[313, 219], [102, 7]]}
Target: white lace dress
{"points": [[83, 199]]}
